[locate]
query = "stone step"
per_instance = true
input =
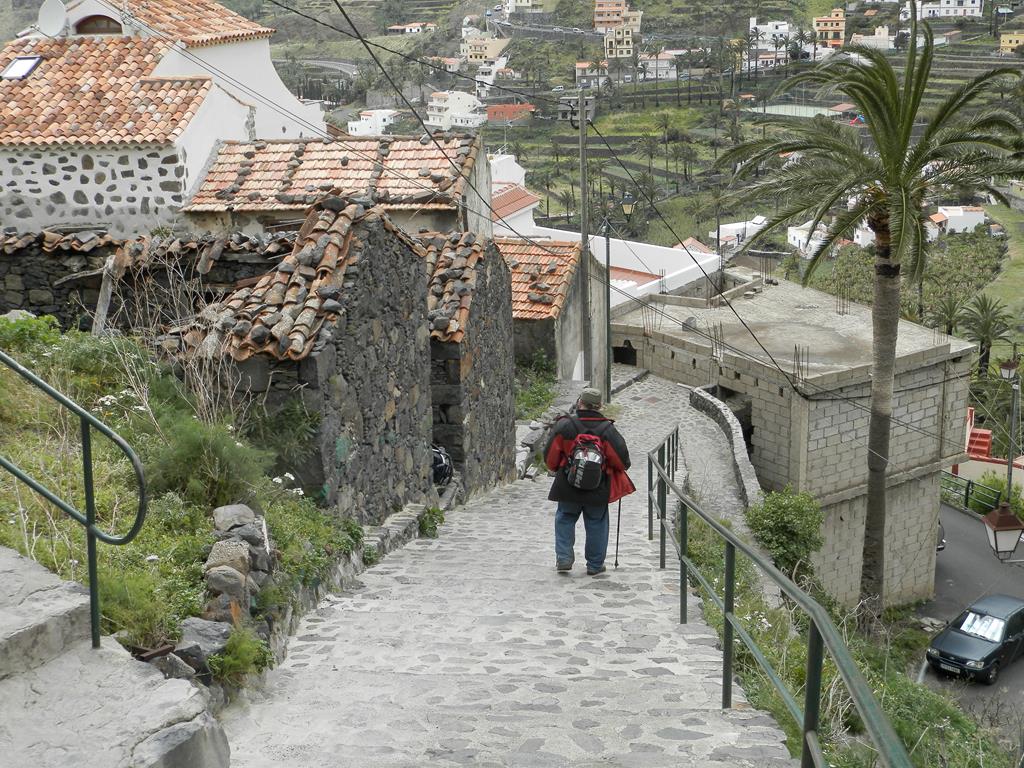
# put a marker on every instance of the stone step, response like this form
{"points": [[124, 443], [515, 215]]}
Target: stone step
{"points": [[99, 708], [40, 615]]}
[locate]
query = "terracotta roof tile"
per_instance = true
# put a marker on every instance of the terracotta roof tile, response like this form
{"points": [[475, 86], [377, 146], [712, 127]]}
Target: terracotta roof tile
{"points": [[95, 91], [632, 275], [397, 172], [282, 314], [194, 22], [509, 199], [451, 263], [541, 275]]}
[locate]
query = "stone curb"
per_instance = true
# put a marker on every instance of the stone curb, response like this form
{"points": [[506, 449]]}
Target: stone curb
{"points": [[630, 380], [719, 412]]}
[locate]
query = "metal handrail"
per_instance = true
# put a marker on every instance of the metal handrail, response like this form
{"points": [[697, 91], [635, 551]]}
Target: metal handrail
{"points": [[970, 489], [822, 634], [93, 533]]}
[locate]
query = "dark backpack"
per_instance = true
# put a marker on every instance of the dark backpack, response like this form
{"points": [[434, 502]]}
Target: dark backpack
{"points": [[585, 468], [441, 465]]}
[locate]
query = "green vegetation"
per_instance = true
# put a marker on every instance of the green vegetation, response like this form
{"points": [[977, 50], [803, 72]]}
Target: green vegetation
{"points": [[430, 521], [535, 386], [788, 525], [934, 729], [244, 654], [997, 482], [371, 555], [150, 585]]}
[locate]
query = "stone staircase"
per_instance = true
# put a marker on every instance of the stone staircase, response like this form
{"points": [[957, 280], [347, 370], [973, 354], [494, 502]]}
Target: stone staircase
{"points": [[62, 703]]}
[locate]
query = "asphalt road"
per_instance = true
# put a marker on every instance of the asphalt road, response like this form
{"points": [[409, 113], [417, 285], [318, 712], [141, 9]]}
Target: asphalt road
{"points": [[965, 571]]}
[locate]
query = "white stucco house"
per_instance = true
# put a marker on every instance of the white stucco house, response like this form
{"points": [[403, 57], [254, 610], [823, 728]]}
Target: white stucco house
{"points": [[801, 238], [962, 218], [372, 122], [931, 9], [109, 121], [454, 109], [735, 233]]}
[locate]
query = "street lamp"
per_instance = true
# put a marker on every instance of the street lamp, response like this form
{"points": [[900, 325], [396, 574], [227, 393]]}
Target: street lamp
{"points": [[628, 203], [1004, 530], [1008, 372]]}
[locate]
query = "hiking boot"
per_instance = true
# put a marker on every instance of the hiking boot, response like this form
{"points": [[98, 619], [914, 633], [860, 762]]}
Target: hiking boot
{"points": [[595, 571], [564, 565]]}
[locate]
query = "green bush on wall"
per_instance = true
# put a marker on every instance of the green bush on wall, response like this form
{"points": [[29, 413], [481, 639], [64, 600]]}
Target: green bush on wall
{"points": [[997, 482], [788, 525]]}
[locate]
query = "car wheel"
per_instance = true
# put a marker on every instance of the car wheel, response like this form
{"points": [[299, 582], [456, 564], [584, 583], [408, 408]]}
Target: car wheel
{"points": [[993, 674]]}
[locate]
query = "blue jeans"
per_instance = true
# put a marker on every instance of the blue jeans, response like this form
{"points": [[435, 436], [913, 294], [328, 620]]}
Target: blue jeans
{"points": [[595, 522]]}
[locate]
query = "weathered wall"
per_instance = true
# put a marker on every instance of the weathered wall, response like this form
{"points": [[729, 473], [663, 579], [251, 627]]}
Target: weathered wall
{"points": [[818, 443], [30, 279], [473, 381], [531, 336], [370, 382], [121, 190], [569, 333]]}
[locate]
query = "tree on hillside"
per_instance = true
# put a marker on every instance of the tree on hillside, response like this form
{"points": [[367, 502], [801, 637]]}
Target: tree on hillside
{"points": [[885, 183], [947, 314], [985, 322], [648, 147]]}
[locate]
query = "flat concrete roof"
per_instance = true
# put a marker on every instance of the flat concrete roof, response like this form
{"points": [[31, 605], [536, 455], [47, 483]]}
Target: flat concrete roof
{"points": [[785, 315]]}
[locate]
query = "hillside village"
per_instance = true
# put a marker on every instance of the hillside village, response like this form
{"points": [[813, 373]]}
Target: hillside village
{"points": [[333, 270]]}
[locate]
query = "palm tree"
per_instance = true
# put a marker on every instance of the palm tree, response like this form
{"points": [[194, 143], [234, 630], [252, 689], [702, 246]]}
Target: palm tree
{"points": [[648, 147], [947, 314], [568, 201], [887, 185], [986, 321]]}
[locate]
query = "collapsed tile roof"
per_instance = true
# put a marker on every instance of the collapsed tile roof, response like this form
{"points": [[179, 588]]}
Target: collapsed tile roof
{"points": [[193, 22], [281, 314], [396, 172], [508, 199], [542, 272], [451, 264], [95, 91]]}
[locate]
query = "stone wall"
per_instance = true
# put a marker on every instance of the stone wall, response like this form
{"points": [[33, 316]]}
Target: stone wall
{"points": [[370, 382], [532, 336], [112, 189], [36, 281], [474, 411]]}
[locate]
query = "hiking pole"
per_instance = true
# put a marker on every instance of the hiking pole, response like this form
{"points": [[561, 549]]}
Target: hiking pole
{"points": [[618, 524]]}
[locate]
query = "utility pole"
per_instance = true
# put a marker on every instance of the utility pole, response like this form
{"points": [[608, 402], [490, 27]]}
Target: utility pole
{"points": [[585, 319], [1014, 411]]}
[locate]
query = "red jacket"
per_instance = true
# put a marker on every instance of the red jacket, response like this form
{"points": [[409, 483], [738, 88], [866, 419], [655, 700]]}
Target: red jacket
{"points": [[617, 483]]}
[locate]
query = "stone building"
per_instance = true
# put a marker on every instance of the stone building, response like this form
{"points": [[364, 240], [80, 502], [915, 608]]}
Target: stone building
{"points": [[807, 424], [109, 122], [342, 323], [546, 297], [469, 308], [250, 186]]}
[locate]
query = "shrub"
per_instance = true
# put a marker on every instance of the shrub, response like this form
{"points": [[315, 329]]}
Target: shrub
{"points": [[535, 385], [788, 525], [28, 334], [308, 539], [244, 654], [290, 431], [204, 463], [371, 555], [997, 482], [430, 521]]}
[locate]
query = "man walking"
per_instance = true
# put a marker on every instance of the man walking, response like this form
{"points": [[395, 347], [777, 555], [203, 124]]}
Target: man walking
{"points": [[589, 459]]}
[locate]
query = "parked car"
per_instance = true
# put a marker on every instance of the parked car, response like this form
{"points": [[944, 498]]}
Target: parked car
{"points": [[498, 7], [558, 89], [982, 640], [556, 29], [577, 30]]}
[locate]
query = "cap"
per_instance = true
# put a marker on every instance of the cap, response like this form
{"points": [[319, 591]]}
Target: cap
{"points": [[590, 397]]}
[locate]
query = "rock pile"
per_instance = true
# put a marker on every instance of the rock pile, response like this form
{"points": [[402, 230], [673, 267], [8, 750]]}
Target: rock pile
{"points": [[239, 564]]}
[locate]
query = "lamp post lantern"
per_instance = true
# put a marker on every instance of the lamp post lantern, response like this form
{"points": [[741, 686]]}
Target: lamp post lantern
{"points": [[1008, 372], [628, 203], [1004, 530]]}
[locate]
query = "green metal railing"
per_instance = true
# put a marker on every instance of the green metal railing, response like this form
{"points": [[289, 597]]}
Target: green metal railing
{"points": [[93, 533], [822, 633], [964, 491]]}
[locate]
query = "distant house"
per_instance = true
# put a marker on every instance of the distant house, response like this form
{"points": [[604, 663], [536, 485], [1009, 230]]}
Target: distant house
{"points": [[769, 29], [454, 109], [110, 123], [451, 64], [801, 238], [962, 218], [568, 107], [412, 28], [482, 50], [933, 9], [831, 30], [1011, 40], [510, 114], [657, 66], [250, 186], [590, 74], [881, 39], [372, 122], [738, 232]]}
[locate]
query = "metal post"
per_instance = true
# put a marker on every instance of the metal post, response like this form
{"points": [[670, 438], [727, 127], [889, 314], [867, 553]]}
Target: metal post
{"points": [[650, 503], [608, 309], [585, 319], [812, 692], [661, 502], [684, 592], [967, 494], [730, 578], [90, 536], [1015, 384]]}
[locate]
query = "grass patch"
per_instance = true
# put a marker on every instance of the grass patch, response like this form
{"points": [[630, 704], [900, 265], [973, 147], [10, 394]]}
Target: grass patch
{"points": [[430, 521], [244, 654], [1008, 285], [535, 386], [931, 725]]}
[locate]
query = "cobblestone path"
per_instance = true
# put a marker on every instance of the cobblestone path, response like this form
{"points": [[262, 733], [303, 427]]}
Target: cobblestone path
{"points": [[471, 650]]}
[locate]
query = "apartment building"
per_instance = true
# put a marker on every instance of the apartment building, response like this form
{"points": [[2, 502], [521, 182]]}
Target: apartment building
{"points": [[831, 29]]}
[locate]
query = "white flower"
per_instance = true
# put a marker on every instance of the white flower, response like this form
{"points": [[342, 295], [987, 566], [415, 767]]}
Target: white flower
{"points": [[152, 558], [231, 428], [238, 444], [297, 491], [288, 476], [139, 408], [277, 480]]}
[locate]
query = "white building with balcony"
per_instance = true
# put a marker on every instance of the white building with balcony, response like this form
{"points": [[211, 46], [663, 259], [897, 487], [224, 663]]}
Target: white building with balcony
{"points": [[372, 122], [454, 109]]}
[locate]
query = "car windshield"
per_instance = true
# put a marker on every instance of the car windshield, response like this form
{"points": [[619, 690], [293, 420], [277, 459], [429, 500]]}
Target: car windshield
{"points": [[978, 624]]}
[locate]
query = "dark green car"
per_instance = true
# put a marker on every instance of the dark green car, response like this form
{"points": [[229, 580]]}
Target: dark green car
{"points": [[982, 640]]}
